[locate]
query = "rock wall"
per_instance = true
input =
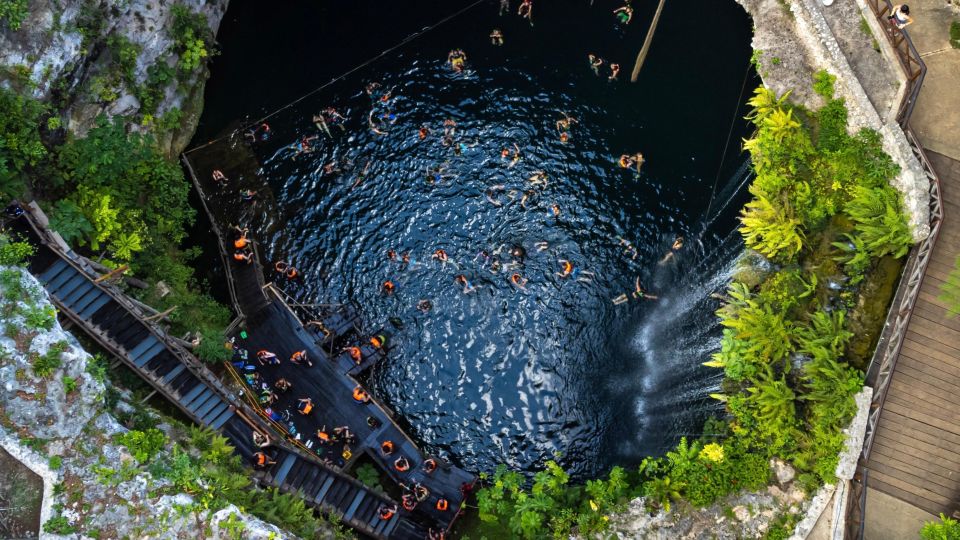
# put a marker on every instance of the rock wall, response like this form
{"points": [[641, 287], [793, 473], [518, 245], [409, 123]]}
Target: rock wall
{"points": [[798, 35], [61, 54], [72, 429]]}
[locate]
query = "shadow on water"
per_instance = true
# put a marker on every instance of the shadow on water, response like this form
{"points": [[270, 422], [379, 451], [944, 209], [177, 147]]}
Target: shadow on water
{"points": [[502, 375]]}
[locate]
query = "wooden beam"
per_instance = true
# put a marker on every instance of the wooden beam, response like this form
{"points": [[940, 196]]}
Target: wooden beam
{"points": [[113, 273]]}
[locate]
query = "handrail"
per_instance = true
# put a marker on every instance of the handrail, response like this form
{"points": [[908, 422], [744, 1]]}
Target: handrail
{"points": [[884, 361]]}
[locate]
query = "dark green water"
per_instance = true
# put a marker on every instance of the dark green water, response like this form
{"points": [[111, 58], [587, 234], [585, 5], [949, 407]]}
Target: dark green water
{"points": [[501, 374]]}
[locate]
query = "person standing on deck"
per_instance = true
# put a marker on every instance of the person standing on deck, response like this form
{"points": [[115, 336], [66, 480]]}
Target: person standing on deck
{"points": [[305, 406]]}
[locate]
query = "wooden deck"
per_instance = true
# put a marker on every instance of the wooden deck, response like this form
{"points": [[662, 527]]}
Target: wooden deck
{"points": [[916, 450]]}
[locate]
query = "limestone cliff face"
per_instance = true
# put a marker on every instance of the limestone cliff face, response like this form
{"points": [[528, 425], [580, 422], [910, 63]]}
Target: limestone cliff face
{"points": [[65, 52], [90, 480]]}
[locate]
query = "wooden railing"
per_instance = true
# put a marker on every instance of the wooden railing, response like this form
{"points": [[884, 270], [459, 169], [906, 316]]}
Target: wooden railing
{"points": [[884, 361]]}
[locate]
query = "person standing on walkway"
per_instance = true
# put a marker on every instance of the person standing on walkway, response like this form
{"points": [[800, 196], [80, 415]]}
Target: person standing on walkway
{"points": [[900, 16]]}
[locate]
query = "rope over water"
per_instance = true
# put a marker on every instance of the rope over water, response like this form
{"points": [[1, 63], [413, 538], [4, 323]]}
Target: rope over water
{"points": [[345, 74], [646, 43]]}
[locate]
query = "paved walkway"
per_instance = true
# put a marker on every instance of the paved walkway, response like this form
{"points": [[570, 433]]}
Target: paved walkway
{"points": [[936, 117]]}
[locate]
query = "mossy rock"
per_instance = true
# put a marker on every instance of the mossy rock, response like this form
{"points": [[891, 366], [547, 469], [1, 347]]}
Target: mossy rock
{"points": [[868, 316]]}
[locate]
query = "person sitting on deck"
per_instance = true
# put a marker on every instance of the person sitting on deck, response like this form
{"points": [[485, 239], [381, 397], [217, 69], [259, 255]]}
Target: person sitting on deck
{"points": [[379, 341], [300, 358], [372, 422], [244, 255], [219, 177], [280, 266], [261, 440], [401, 464], [355, 354], [435, 535], [305, 406], [276, 416], [267, 358], [282, 385], [386, 512], [262, 460], [267, 397], [344, 434], [241, 241], [442, 505], [319, 325], [409, 502], [324, 437], [387, 448], [429, 465], [420, 492], [360, 395]]}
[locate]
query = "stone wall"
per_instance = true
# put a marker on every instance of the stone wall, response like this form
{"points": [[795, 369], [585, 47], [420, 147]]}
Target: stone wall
{"points": [[63, 65], [800, 37]]}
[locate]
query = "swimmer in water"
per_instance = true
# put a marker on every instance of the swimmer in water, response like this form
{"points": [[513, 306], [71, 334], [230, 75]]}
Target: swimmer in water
{"points": [[555, 210], [388, 287], [304, 146], [565, 123], [538, 178], [321, 123], [637, 294], [542, 246], [518, 281], [569, 270], [373, 125], [674, 248], [496, 37], [373, 90], [595, 63], [518, 252], [492, 194], [614, 72], [504, 7], [219, 177], [247, 195], [628, 247], [462, 280], [526, 10], [457, 59], [391, 255], [624, 14], [362, 176], [424, 305], [449, 127], [516, 156], [527, 195], [424, 131], [483, 256]]}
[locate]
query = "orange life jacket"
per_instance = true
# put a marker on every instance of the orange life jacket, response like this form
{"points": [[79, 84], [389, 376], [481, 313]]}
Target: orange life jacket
{"points": [[401, 464], [239, 256], [442, 505], [387, 447], [240, 243], [386, 513], [307, 407], [359, 394], [261, 458], [355, 354], [323, 435], [429, 465], [409, 503]]}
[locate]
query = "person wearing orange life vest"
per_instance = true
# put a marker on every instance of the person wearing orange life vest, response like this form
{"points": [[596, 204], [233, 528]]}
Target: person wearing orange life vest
{"points": [[429, 465], [305, 406], [241, 241], [387, 448], [324, 436], [409, 502], [262, 461], [300, 357], [360, 395], [388, 287], [386, 512], [378, 340], [401, 464], [443, 505], [244, 255], [355, 354]]}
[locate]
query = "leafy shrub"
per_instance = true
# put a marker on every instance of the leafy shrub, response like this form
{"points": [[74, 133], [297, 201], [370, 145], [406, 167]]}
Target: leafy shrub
{"points": [[823, 83], [833, 125], [947, 529], [69, 384], [44, 365], [955, 34], [151, 92], [878, 221], [40, 317], [143, 445], [97, 367], [14, 12], [55, 462], [192, 38], [58, 525], [125, 54], [14, 253]]}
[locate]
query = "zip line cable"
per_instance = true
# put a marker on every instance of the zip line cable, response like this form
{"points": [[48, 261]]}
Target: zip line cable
{"points": [[345, 74], [726, 146]]}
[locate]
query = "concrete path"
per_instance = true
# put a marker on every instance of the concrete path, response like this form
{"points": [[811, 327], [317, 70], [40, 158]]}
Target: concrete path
{"points": [[889, 518], [936, 117]]}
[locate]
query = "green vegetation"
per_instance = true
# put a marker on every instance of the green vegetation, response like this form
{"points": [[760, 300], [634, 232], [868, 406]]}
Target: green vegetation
{"points": [[946, 529], [955, 34], [69, 384], [45, 364], [13, 12], [55, 462], [824, 214], [192, 38], [118, 199], [143, 445], [58, 525], [950, 290], [13, 253]]}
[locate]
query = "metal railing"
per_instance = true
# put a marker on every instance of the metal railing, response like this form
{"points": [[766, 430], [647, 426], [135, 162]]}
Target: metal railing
{"points": [[884, 362]]}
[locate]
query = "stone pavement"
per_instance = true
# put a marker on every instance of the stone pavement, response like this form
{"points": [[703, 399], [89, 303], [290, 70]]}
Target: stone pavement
{"points": [[936, 116], [889, 518]]}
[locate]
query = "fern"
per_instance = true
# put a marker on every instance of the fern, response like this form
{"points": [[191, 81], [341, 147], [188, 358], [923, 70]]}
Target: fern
{"points": [[771, 231], [878, 221]]}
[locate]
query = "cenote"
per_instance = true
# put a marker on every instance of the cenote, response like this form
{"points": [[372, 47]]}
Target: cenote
{"points": [[502, 375]]}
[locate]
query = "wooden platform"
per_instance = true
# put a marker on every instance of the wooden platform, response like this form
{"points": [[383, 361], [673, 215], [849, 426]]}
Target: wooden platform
{"points": [[916, 451]]}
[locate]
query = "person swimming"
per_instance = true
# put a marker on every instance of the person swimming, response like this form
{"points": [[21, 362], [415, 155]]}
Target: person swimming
{"points": [[247, 195], [538, 178], [614, 72], [519, 281], [565, 123], [440, 255], [674, 248], [424, 131], [637, 294], [388, 287], [516, 156], [457, 59], [424, 305], [496, 37], [624, 14], [462, 280], [219, 177], [526, 10], [595, 63]]}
